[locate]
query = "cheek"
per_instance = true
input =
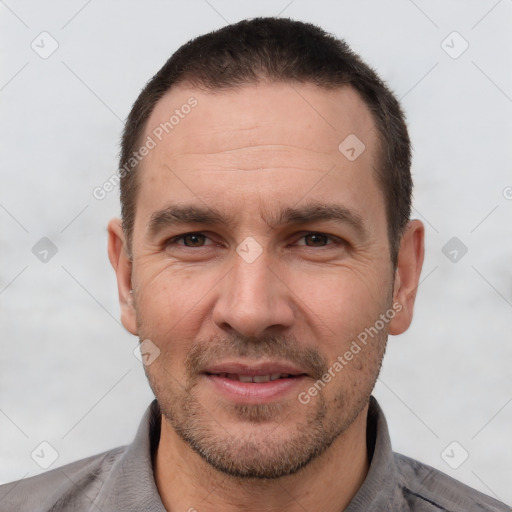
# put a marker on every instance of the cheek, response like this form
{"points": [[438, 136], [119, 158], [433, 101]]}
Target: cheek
{"points": [[341, 302], [344, 306], [169, 302]]}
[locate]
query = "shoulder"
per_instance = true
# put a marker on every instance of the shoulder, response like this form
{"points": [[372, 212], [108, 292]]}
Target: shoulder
{"points": [[427, 489], [70, 487]]}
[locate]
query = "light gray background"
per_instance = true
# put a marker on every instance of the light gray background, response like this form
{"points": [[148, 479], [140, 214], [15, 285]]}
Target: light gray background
{"points": [[68, 375]]}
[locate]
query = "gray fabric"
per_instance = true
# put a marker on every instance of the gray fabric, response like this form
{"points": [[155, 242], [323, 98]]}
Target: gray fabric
{"points": [[122, 480]]}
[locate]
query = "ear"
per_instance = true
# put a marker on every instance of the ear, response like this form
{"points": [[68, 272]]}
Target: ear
{"points": [[122, 264], [407, 275]]}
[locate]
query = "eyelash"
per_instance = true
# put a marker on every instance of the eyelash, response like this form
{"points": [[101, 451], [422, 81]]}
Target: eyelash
{"points": [[336, 240]]}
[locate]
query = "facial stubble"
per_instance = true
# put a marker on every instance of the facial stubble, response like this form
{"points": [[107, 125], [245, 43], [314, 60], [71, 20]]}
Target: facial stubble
{"points": [[283, 437]]}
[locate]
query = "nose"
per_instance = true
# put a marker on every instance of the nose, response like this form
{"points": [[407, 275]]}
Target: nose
{"points": [[253, 297]]}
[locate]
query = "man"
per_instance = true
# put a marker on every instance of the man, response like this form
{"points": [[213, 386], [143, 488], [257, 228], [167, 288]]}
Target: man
{"points": [[264, 255]]}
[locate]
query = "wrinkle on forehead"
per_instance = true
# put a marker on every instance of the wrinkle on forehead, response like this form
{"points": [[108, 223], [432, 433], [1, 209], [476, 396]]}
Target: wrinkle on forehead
{"points": [[301, 116]]}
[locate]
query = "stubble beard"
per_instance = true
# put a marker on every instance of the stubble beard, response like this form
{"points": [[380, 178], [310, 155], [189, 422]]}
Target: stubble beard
{"points": [[260, 452]]}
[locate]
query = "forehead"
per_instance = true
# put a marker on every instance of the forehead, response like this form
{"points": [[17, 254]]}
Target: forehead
{"points": [[260, 145], [305, 116]]}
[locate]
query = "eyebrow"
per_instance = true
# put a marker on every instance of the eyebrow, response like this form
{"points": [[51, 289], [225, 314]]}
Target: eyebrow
{"points": [[175, 215], [316, 212]]}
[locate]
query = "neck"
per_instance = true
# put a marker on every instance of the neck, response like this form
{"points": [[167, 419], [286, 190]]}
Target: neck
{"points": [[328, 483]]}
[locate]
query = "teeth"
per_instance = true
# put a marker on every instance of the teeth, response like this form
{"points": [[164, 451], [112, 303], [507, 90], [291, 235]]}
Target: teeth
{"points": [[254, 378], [261, 378]]}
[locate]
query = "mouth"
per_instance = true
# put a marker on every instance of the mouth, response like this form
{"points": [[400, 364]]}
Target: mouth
{"points": [[254, 383], [256, 378]]}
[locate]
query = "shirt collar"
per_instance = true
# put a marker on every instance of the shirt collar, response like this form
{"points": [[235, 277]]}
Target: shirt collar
{"points": [[130, 485], [378, 491]]}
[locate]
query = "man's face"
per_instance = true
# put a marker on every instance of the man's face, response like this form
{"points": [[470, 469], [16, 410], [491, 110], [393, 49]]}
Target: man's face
{"points": [[288, 262]]}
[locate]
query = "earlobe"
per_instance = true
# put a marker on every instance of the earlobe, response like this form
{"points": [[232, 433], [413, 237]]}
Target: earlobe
{"points": [[122, 264], [407, 275]]}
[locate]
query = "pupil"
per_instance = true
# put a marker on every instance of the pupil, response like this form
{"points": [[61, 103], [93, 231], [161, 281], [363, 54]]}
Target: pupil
{"points": [[317, 239], [196, 239]]}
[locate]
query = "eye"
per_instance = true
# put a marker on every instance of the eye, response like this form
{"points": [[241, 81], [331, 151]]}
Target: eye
{"points": [[189, 240], [319, 240]]}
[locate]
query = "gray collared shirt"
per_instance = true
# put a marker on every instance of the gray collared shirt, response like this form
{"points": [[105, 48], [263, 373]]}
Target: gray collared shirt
{"points": [[122, 480]]}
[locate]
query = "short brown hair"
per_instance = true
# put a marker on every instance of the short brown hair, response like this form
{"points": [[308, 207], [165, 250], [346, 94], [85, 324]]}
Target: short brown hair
{"points": [[280, 50]]}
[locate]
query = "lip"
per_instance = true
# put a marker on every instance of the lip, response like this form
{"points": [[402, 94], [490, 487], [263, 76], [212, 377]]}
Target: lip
{"points": [[254, 392]]}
